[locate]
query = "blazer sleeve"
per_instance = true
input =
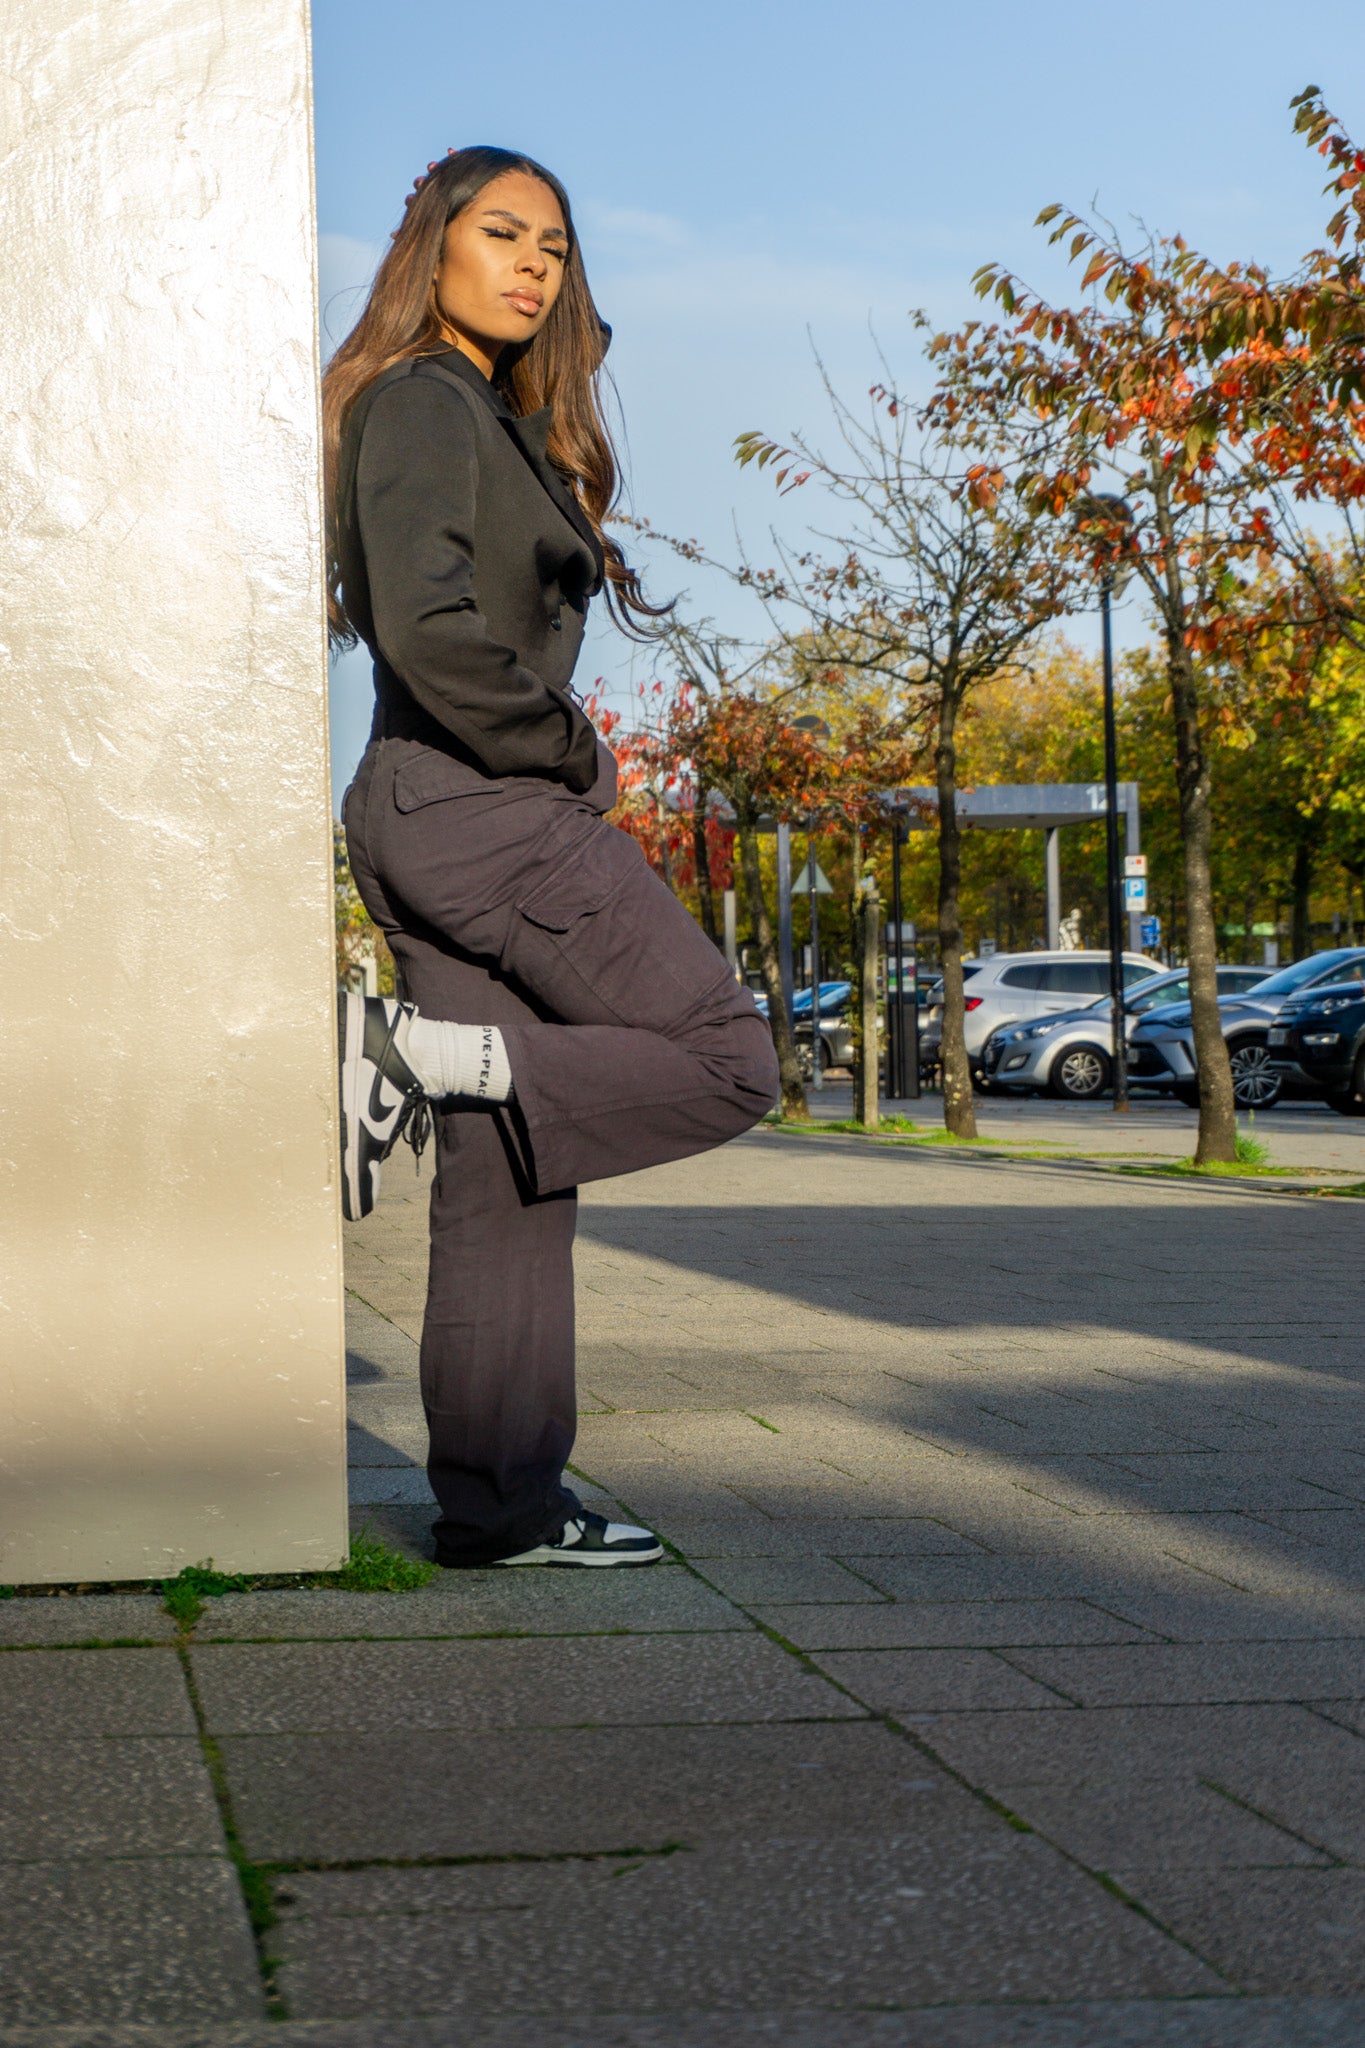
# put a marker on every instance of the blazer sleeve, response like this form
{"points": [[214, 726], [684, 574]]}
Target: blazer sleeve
{"points": [[416, 482]]}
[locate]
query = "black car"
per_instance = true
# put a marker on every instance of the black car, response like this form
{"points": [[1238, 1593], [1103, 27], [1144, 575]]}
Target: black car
{"points": [[1321, 1033]]}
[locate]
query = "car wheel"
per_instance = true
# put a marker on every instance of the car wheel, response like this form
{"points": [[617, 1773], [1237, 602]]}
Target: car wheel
{"points": [[1255, 1083], [1351, 1101], [1080, 1074]]}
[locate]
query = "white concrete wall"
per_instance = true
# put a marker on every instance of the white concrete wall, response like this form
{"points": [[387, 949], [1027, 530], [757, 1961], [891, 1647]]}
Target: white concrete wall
{"points": [[171, 1381]]}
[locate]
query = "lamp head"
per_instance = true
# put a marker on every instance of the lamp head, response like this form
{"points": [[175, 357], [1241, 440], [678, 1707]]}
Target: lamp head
{"points": [[1104, 520]]}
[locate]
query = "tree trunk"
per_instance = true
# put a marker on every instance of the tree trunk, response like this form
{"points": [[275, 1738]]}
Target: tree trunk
{"points": [[665, 857], [1301, 940], [1217, 1143], [793, 1089], [701, 857], [1249, 901], [867, 1109], [959, 1110]]}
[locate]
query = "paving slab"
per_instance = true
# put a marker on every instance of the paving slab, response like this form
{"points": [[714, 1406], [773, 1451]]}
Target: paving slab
{"points": [[1233, 1745], [947, 1624], [1226, 2021], [1346, 1713], [56, 1693], [816, 1579], [888, 1921], [268, 1689], [1161, 1827], [431, 1793], [1267, 1929], [155, 1940], [665, 1599], [48, 1621], [1212, 1614], [117, 1796], [754, 1535], [1175, 1672], [936, 1681]]}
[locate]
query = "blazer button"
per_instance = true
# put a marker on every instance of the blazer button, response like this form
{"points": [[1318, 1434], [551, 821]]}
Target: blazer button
{"points": [[556, 625]]}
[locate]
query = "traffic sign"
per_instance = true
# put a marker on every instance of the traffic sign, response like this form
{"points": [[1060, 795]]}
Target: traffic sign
{"points": [[1135, 864], [1135, 892], [1151, 932], [801, 882]]}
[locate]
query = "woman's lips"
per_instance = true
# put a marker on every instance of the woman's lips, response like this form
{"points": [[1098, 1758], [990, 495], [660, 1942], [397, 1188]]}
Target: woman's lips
{"points": [[524, 302]]}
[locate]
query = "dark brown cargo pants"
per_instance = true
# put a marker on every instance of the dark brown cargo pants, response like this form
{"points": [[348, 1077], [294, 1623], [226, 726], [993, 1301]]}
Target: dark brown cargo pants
{"points": [[514, 903]]}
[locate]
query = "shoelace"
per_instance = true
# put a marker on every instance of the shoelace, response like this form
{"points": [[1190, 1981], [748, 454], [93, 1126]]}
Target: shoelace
{"points": [[415, 1127]]}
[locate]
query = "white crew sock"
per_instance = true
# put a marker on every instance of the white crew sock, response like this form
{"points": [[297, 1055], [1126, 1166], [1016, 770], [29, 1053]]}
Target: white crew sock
{"points": [[459, 1059]]}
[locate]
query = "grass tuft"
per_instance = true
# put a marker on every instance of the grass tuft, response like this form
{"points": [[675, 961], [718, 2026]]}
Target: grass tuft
{"points": [[373, 1567], [185, 1594]]}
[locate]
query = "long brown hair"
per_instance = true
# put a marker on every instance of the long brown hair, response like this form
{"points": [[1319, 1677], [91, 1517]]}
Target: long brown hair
{"points": [[559, 368]]}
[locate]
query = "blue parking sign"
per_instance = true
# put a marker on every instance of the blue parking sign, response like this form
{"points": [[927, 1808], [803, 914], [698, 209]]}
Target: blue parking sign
{"points": [[1151, 932]]}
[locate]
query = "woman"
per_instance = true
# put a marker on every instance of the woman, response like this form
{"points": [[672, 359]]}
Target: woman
{"points": [[560, 1008]]}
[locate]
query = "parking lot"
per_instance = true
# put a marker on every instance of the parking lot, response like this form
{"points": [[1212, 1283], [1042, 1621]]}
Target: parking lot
{"points": [[1299, 1133]]}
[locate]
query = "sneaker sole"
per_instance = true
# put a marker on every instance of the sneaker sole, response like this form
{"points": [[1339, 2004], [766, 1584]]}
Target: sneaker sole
{"points": [[588, 1562], [350, 1050]]}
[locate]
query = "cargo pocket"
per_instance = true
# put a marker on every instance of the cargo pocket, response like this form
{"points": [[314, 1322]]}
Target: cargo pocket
{"points": [[435, 778], [589, 874]]}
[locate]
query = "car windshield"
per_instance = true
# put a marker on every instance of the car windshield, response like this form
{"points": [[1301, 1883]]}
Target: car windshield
{"points": [[1167, 988], [1290, 978]]}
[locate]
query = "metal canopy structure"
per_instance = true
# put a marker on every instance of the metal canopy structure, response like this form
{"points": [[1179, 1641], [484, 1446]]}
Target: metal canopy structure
{"points": [[1035, 807], [991, 807]]}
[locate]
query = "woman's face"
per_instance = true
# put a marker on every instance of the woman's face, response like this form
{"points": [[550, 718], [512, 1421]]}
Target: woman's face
{"points": [[502, 264]]}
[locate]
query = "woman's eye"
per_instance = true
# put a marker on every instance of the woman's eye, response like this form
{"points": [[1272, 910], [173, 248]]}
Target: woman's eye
{"points": [[501, 234]]}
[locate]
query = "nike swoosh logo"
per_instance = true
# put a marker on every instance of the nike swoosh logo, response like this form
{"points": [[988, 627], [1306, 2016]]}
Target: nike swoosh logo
{"points": [[380, 1111]]}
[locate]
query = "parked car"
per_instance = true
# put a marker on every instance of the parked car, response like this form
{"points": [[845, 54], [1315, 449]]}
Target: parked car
{"points": [[1021, 988], [1163, 1042], [1318, 1035], [836, 1026], [1071, 1055]]}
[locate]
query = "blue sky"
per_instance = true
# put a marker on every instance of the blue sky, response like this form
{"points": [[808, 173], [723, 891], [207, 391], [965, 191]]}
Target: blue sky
{"points": [[758, 178]]}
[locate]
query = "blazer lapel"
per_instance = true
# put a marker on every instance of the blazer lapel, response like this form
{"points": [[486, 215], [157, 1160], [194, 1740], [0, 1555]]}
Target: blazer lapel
{"points": [[531, 435]]}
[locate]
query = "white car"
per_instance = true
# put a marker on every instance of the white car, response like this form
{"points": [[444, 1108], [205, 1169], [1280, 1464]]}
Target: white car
{"points": [[1016, 988]]}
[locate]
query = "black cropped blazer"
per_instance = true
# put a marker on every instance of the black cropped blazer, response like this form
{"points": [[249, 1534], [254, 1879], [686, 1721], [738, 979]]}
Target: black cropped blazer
{"points": [[467, 565]]}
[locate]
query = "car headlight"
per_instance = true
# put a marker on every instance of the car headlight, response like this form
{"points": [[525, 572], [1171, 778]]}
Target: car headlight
{"points": [[1042, 1030], [1330, 1003], [1321, 1037]]}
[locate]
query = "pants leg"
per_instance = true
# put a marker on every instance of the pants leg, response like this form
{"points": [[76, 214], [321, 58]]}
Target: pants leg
{"points": [[665, 1054], [514, 904], [497, 1354]]}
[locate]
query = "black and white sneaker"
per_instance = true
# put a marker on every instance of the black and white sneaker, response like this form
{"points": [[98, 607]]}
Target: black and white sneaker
{"points": [[379, 1093], [591, 1539]]}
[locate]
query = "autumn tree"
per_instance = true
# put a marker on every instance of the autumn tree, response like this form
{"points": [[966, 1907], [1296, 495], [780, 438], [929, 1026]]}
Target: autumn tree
{"points": [[1112, 411], [933, 589], [730, 726], [1292, 712]]}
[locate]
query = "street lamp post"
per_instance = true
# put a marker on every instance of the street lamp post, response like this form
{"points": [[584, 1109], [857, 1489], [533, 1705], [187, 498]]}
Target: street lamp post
{"points": [[1113, 862], [813, 724], [1112, 516], [902, 1024], [817, 1079]]}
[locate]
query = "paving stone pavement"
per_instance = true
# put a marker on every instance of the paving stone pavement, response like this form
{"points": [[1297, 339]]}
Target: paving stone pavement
{"points": [[1004, 1687]]}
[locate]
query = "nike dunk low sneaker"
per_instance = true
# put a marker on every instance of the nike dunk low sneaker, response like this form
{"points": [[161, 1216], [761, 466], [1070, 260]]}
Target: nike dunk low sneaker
{"points": [[379, 1094], [589, 1539]]}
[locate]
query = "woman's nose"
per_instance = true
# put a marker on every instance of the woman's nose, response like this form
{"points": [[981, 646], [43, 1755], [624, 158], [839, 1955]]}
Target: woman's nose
{"points": [[534, 262]]}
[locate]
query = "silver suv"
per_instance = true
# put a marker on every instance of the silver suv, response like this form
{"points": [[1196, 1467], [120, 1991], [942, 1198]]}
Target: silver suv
{"points": [[1019, 988], [1163, 1044], [1072, 1055]]}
